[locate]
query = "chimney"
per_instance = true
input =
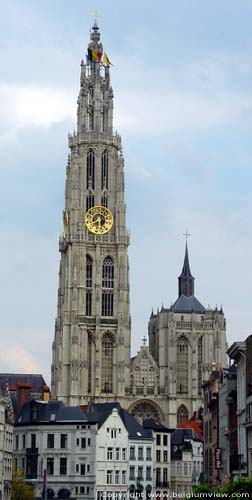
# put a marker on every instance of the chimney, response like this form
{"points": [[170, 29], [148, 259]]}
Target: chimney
{"points": [[23, 395], [45, 393]]}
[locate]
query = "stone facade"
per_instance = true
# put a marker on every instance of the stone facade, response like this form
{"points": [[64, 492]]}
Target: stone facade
{"points": [[91, 348], [6, 445]]}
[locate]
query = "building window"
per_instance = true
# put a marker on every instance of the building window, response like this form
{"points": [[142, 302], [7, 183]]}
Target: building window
{"points": [[102, 119], [132, 473], [148, 473], [140, 453], [158, 440], [158, 455], [24, 440], [117, 454], [63, 466], [104, 170], [89, 201], [165, 456], [140, 473], [50, 466], [182, 414], [158, 476], [90, 361], [165, 477], [132, 453], [148, 453], [124, 477], [83, 442], [110, 454], [82, 469], [107, 363], [200, 365], [165, 440], [113, 433], [117, 477], [108, 287], [109, 476], [104, 200], [90, 170], [63, 440], [89, 267], [77, 468], [124, 454], [17, 441], [33, 441], [50, 440], [182, 365]]}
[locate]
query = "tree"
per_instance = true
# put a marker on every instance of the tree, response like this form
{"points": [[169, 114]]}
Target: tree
{"points": [[241, 485], [19, 489]]}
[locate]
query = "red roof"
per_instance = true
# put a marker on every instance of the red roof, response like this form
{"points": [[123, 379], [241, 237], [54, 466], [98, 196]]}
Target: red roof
{"points": [[196, 425]]}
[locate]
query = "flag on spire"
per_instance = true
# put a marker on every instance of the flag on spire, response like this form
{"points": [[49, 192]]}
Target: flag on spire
{"points": [[106, 60]]}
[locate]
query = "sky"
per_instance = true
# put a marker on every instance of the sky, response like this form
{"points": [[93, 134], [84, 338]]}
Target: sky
{"points": [[182, 80]]}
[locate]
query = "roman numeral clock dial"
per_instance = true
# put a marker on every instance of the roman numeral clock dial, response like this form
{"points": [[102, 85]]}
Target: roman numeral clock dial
{"points": [[99, 220]]}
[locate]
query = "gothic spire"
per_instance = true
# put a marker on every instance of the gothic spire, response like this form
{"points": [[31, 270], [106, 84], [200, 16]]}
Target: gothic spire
{"points": [[186, 279]]}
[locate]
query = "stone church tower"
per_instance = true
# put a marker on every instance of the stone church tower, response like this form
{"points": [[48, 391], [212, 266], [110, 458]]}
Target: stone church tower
{"points": [[186, 340], [91, 348]]}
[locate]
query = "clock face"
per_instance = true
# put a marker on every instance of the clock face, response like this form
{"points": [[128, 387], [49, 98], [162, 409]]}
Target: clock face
{"points": [[99, 220]]}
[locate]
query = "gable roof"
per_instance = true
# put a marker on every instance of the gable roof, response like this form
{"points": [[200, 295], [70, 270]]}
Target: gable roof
{"points": [[99, 412]]}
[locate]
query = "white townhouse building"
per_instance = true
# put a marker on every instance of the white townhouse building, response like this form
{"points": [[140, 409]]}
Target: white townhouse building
{"points": [[6, 444], [123, 453], [161, 457], [55, 445]]}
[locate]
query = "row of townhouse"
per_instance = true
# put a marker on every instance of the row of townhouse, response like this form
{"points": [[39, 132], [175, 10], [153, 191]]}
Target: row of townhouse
{"points": [[100, 453], [228, 417]]}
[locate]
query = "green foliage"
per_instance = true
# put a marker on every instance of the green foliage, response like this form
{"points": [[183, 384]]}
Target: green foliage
{"points": [[241, 485], [19, 489], [201, 488]]}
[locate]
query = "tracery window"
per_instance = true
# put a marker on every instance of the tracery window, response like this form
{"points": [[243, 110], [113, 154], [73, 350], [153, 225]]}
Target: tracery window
{"points": [[182, 414], [182, 365], [89, 201], [107, 362], [89, 269], [199, 365], [90, 169], [104, 200], [108, 287], [104, 170], [90, 362]]}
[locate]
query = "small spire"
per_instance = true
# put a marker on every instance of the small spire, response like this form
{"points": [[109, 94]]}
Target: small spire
{"points": [[186, 279]]}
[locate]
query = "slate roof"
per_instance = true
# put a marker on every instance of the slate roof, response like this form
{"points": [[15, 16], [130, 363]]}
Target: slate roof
{"points": [[150, 423], [49, 412], [36, 380], [99, 412], [179, 435], [187, 304]]}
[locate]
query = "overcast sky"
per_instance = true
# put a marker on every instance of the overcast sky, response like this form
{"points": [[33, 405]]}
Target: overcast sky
{"points": [[182, 79]]}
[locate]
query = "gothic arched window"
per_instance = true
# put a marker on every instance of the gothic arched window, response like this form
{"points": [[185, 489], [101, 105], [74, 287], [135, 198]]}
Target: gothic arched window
{"points": [[90, 169], [102, 119], [182, 365], [89, 201], [104, 170], [108, 287], [182, 414], [90, 361], [107, 362], [199, 365], [89, 268], [104, 200]]}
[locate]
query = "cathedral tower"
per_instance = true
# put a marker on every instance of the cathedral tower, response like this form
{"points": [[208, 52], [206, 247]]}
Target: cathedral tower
{"points": [[91, 348]]}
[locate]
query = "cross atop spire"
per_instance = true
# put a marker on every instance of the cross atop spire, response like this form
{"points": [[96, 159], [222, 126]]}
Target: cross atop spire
{"points": [[186, 279]]}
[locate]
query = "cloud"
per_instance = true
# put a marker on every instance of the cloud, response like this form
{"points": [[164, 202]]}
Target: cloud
{"points": [[18, 359], [31, 105]]}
